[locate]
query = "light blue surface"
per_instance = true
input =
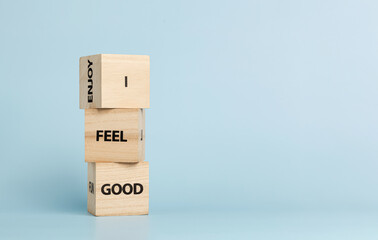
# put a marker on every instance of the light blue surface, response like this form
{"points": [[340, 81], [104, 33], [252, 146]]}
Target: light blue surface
{"points": [[263, 119]]}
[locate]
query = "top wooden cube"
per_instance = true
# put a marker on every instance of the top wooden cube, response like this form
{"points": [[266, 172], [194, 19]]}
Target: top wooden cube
{"points": [[115, 81]]}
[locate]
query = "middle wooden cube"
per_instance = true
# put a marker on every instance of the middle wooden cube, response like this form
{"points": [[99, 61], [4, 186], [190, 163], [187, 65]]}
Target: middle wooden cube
{"points": [[114, 135]]}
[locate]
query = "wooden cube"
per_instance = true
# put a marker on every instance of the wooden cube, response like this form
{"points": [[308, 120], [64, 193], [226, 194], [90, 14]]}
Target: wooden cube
{"points": [[114, 135], [118, 188], [115, 81]]}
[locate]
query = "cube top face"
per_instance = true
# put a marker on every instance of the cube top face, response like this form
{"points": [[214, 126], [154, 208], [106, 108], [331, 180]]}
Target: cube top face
{"points": [[115, 81], [115, 135], [118, 188]]}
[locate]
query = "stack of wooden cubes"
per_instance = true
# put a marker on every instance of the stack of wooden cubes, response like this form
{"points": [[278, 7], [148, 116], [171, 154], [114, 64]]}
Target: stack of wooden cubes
{"points": [[114, 91]]}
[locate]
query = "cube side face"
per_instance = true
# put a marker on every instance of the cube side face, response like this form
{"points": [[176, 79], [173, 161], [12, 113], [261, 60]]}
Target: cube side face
{"points": [[113, 135], [142, 126], [122, 189], [91, 193], [125, 81], [90, 81]]}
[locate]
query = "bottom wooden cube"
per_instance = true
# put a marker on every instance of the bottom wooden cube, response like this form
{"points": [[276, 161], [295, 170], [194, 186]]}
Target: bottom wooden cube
{"points": [[118, 188]]}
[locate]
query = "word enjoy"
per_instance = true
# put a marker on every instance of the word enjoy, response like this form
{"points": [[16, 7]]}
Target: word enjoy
{"points": [[126, 189], [90, 82], [110, 135]]}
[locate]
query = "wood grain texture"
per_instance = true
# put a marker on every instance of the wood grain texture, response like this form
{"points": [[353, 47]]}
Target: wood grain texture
{"points": [[91, 201], [110, 71], [86, 75], [106, 175], [129, 122]]}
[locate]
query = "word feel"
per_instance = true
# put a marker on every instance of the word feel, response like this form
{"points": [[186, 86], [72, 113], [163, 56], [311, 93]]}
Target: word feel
{"points": [[110, 136]]}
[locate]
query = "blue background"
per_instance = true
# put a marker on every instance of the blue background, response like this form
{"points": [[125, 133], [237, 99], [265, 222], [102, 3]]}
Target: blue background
{"points": [[263, 120]]}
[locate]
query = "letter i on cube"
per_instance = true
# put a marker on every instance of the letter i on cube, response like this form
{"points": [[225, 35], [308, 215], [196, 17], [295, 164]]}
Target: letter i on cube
{"points": [[114, 81]]}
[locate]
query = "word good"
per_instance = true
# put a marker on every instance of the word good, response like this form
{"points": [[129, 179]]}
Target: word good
{"points": [[90, 82], [126, 189], [110, 135]]}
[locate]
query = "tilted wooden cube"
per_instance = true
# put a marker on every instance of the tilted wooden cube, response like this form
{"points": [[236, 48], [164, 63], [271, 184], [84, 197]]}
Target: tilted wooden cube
{"points": [[115, 81], [118, 188], [114, 135]]}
